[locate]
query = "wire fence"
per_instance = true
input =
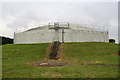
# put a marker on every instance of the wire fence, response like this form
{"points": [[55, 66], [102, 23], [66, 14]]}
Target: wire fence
{"points": [[98, 28]]}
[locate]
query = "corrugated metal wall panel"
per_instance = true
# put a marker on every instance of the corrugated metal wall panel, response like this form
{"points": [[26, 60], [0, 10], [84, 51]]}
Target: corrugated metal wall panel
{"points": [[47, 35]]}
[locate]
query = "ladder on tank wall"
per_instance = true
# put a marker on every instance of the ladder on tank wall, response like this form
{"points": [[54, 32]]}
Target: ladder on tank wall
{"points": [[57, 26], [56, 42]]}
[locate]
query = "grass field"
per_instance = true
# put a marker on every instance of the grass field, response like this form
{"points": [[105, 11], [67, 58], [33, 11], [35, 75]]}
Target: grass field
{"points": [[82, 56]]}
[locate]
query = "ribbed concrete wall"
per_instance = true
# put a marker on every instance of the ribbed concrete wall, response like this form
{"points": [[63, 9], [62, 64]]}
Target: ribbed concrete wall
{"points": [[47, 35]]}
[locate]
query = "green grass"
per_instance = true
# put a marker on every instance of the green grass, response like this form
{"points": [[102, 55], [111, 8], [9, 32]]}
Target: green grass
{"points": [[16, 57], [1, 62], [91, 51]]}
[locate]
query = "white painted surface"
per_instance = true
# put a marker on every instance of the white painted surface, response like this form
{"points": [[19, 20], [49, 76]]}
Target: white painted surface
{"points": [[74, 34]]}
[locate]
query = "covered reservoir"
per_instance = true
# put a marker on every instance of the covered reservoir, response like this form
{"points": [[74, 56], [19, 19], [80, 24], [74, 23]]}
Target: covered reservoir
{"points": [[75, 33]]}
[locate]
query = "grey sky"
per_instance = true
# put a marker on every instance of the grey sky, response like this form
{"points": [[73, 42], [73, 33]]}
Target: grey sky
{"points": [[20, 14]]}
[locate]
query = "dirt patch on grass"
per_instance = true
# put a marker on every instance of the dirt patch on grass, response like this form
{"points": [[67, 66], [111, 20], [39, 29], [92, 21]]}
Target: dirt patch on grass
{"points": [[118, 54], [55, 50], [49, 51], [53, 75], [104, 65], [92, 62], [57, 75], [49, 63], [98, 64]]}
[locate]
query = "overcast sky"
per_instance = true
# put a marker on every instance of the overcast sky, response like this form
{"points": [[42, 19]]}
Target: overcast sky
{"points": [[20, 14]]}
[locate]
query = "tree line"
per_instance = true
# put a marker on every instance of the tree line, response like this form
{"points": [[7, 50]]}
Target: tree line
{"points": [[5, 40]]}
